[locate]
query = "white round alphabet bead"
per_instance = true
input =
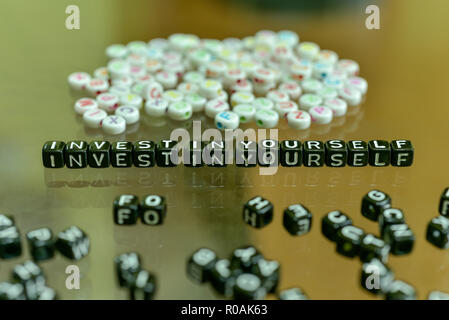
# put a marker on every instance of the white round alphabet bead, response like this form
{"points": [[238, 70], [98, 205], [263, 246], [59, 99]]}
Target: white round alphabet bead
{"points": [[284, 107], [327, 56], [266, 118], [129, 113], [309, 100], [93, 118], [210, 88], [78, 80], [300, 72], [116, 51], [193, 77], [245, 112], [352, 96], [215, 106], [97, 86], [263, 103], [308, 50], [151, 90], [357, 83], [101, 73], [311, 85], [299, 119], [263, 76], [196, 101], [277, 96], [137, 47], [118, 68], [349, 67], [85, 104], [227, 120], [292, 89], [216, 69], [288, 37], [321, 114], [187, 87], [173, 96], [131, 100], [327, 93], [180, 110], [338, 106], [156, 107], [322, 69], [167, 79], [108, 101], [333, 82], [113, 125], [241, 97]]}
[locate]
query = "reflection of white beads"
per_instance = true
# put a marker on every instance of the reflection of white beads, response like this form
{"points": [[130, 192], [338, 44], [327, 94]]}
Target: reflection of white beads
{"points": [[227, 120], [321, 115], [180, 110], [246, 112], [299, 119], [266, 118]]}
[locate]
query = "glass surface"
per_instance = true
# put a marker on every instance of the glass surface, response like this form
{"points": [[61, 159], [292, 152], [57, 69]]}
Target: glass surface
{"points": [[404, 63]]}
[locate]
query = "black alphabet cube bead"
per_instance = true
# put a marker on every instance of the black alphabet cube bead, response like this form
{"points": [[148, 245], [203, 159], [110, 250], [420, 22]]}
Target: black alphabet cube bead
{"points": [[143, 287], [357, 153], [98, 155], [222, 277], [297, 219], [144, 154], [246, 154], [268, 271], [215, 154], [200, 265], [153, 209], [372, 247], [258, 212], [73, 243], [291, 153], [400, 290], [401, 153], [126, 209], [193, 154], [30, 275], [349, 239], [400, 238], [12, 291], [438, 232], [249, 287], [373, 203], [76, 154], [6, 221], [122, 154], [167, 153], [127, 265], [379, 153], [53, 154], [41, 244], [245, 258], [376, 277], [313, 154], [336, 153], [388, 217], [443, 208], [292, 294], [332, 222], [10, 245], [268, 153]]}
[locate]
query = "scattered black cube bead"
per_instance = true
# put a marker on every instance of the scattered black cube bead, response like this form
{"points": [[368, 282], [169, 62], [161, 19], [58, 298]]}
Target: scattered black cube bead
{"points": [[245, 258], [292, 294], [372, 247], [10, 245], [246, 154], [98, 155], [30, 275], [41, 244], [167, 153], [258, 212], [144, 154], [12, 291], [313, 154], [401, 153], [336, 153], [357, 153], [6, 221], [400, 238], [268, 153], [215, 154], [153, 209], [443, 208], [193, 154], [222, 277], [349, 239], [373, 203], [73, 243], [127, 265], [438, 232], [291, 153], [143, 287], [249, 287], [76, 154], [122, 154], [379, 153], [388, 217], [332, 222], [53, 154], [297, 219], [400, 290], [126, 209], [200, 265], [268, 271], [376, 277]]}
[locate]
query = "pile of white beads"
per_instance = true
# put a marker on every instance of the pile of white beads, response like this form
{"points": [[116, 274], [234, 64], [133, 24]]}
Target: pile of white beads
{"points": [[261, 78]]}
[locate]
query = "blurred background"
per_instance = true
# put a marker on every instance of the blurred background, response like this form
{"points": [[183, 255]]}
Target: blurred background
{"points": [[404, 63]]}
